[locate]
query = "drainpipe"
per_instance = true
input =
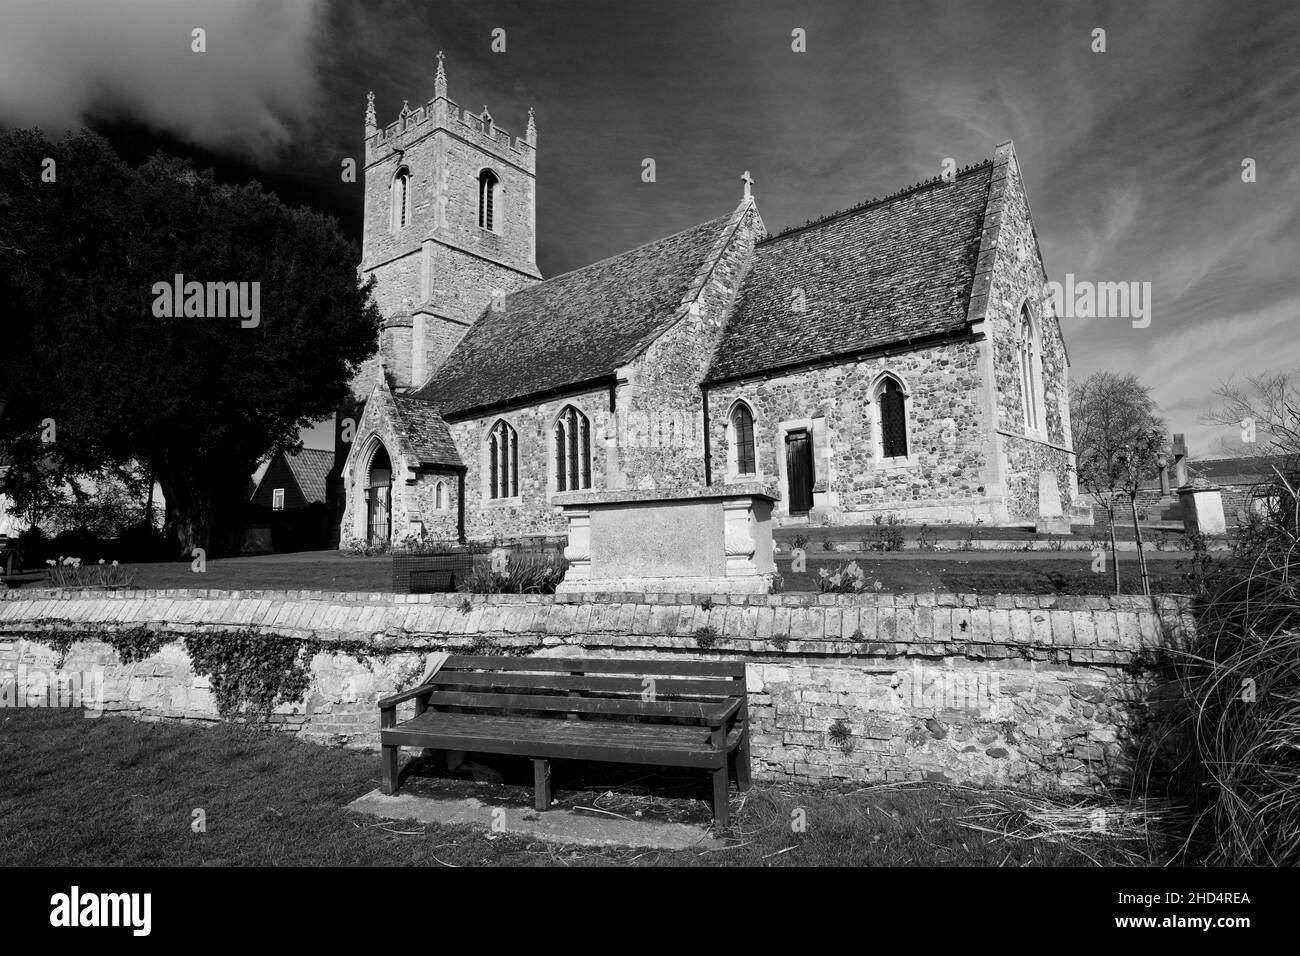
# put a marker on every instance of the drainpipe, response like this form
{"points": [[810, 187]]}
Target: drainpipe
{"points": [[460, 507], [708, 462]]}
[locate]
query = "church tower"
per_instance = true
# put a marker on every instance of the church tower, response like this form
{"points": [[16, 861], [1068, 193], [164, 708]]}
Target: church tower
{"points": [[450, 223]]}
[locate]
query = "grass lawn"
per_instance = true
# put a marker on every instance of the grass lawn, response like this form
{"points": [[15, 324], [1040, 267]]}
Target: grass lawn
{"points": [[306, 571], [993, 573], [114, 791], [957, 572]]}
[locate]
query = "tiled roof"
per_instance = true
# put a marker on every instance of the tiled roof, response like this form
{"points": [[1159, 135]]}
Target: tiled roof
{"points": [[424, 432], [310, 467], [893, 270], [1237, 471], [573, 328]]}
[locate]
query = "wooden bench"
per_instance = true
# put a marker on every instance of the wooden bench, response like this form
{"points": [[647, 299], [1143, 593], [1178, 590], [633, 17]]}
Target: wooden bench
{"points": [[664, 713]]}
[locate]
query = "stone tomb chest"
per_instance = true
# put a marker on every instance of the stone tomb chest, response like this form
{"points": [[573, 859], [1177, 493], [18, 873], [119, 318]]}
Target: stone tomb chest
{"points": [[707, 540]]}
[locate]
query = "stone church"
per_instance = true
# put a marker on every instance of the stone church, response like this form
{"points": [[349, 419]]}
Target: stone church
{"points": [[898, 358]]}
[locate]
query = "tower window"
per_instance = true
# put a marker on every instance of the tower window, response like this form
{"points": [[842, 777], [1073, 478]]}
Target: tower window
{"points": [[572, 450], [401, 198], [503, 461], [488, 188]]}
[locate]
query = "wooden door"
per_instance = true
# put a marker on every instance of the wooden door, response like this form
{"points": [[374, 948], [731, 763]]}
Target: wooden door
{"points": [[799, 471]]}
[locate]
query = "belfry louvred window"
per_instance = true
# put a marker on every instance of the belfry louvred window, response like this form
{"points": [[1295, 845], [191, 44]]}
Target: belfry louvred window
{"points": [[893, 420], [572, 450], [401, 198], [503, 461], [487, 197]]}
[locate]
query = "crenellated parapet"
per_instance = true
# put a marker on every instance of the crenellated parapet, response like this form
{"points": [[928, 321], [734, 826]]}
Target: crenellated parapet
{"points": [[441, 113]]}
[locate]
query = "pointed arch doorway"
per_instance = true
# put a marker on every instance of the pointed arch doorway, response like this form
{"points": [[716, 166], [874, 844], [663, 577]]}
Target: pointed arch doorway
{"points": [[379, 492]]}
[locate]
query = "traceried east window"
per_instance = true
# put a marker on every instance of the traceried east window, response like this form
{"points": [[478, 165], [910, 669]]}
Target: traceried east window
{"points": [[1031, 371]]}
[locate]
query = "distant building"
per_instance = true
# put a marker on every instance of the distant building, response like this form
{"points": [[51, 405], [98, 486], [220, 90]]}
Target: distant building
{"points": [[293, 499], [295, 481]]}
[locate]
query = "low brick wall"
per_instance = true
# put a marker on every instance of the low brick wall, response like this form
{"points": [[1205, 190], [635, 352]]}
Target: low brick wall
{"points": [[1032, 691]]}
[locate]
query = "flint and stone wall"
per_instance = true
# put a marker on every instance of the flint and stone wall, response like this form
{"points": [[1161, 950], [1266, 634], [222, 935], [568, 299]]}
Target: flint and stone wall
{"points": [[942, 479], [1005, 690]]}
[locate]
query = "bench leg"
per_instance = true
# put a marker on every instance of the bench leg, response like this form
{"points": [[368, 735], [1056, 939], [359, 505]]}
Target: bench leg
{"points": [[743, 781], [541, 784], [389, 764], [720, 787]]}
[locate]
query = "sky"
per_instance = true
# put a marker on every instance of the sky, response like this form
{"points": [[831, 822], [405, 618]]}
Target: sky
{"points": [[1132, 157]]}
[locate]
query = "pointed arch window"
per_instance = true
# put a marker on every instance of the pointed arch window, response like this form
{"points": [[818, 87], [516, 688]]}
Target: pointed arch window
{"points": [[401, 198], [889, 402], [742, 433], [572, 450], [489, 188], [1031, 371], [503, 461]]}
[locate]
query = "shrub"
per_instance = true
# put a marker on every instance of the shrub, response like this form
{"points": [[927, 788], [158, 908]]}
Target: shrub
{"points": [[926, 539], [706, 637], [888, 535], [359, 547], [425, 543], [1225, 738], [523, 574], [841, 735]]}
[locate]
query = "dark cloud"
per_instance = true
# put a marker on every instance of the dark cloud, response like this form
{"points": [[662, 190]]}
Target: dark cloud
{"points": [[63, 62], [1132, 157]]}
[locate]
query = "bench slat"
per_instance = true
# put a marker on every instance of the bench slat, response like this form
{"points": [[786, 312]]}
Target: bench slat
{"points": [[594, 665], [668, 734], [691, 710], [664, 686], [540, 737]]}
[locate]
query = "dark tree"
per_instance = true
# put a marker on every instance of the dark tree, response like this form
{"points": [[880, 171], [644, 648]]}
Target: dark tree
{"points": [[197, 400]]}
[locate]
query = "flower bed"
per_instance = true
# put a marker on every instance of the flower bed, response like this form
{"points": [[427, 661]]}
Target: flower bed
{"points": [[438, 567]]}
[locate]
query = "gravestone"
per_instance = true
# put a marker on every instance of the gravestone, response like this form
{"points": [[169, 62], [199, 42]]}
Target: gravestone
{"points": [[1202, 508], [1051, 515]]}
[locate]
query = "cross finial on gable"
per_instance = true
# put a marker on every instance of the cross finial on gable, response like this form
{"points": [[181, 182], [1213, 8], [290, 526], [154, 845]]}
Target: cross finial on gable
{"points": [[748, 180]]}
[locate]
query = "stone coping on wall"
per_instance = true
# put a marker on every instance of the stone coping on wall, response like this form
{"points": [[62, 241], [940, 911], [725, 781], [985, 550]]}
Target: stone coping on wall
{"points": [[607, 496], [1064, 602], [1087, 629]]}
